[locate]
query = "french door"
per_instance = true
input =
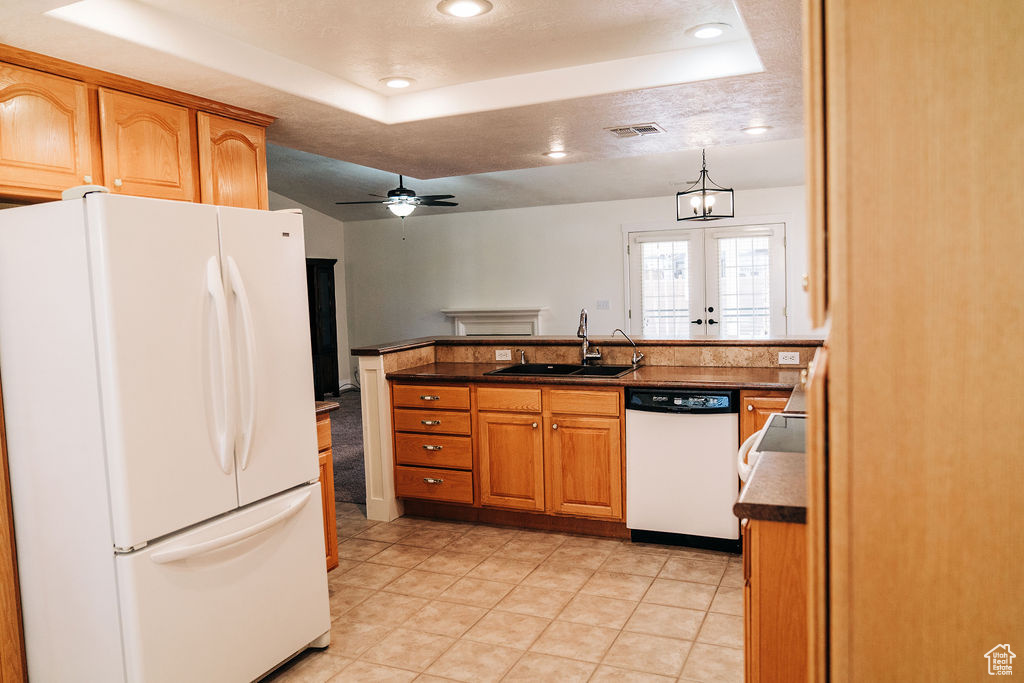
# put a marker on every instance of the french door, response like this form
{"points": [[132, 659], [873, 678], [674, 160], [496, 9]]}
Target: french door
{"points": [[725, 282]]}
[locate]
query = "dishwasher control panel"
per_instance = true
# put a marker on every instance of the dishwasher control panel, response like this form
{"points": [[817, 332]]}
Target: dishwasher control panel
{"points": [[682, 400]]}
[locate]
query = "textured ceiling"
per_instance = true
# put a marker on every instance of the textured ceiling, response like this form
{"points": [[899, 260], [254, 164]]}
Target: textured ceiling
{"points": [[351, 41], [365, 40], [318, 182]]}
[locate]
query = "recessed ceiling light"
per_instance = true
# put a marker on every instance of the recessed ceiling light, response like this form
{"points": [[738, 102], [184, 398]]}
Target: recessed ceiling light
{"points": [[556, 154], [464, 8], [757, 130], [397, 81], [708, 31]]}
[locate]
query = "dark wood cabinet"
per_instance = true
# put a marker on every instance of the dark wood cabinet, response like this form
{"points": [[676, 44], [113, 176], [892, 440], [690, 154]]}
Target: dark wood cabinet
{"points": [[323, 325]]}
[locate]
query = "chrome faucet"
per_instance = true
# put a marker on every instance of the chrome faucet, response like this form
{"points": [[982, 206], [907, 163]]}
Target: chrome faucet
{"points": [[588, 352], [637, 356], [522, 356]]}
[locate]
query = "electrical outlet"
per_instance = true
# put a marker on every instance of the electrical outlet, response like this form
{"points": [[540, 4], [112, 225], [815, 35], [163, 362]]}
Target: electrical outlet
{"points": [[602, 304], [789, 358], [503, 354]]}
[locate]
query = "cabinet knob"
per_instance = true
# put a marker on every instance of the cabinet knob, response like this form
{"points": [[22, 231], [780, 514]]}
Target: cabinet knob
{"points": [[117, 182], [803, 378], [431, 480], [805, 282], [750, 407], [534, 425], [554, 426], [87, 179]]}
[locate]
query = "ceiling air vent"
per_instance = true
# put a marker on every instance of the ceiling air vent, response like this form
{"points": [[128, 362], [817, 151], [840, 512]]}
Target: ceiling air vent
{"points": [[635, 130]]}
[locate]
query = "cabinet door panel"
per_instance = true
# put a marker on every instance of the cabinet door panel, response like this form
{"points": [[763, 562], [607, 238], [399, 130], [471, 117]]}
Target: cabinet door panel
{"points": [[232, 162], [44, 133], [511, 460], [584, 461], [756, 407], [147, 147]]}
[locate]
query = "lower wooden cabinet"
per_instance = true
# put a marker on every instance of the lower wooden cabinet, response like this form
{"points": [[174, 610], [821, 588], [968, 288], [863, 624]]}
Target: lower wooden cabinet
{"points": [[775, 601], [584, 466], [323, 437], [511, 447], [755, 408]]}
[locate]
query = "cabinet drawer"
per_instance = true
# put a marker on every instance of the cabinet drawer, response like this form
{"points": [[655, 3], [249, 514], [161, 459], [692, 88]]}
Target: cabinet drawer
{"points": [[409, 395], [505, 398], [422, 482], [583, 402], [431, 421], [434, 450], [323, 432]]}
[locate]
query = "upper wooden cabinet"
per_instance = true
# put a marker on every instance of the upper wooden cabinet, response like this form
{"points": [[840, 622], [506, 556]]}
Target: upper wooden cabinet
{"points": [[45, 143], [147, 147], [232, 162]]}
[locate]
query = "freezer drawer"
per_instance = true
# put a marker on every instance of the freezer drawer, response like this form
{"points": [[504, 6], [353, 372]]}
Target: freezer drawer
{"points": [[230, 599]]}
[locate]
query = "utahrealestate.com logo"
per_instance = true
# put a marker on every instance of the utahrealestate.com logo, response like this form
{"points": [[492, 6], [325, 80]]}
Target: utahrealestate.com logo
{"points": [[1000, 660]]}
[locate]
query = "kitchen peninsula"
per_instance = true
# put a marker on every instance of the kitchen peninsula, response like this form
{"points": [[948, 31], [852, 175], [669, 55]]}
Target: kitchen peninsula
{"points": [[396, 381]]}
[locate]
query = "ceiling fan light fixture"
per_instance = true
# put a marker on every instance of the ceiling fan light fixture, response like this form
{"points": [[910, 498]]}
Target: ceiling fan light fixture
{"points": [[708, 31], [464, 9], [397, 81], [401, 208]]}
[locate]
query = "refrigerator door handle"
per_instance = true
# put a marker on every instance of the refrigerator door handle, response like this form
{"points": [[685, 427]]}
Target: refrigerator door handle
{"points": [[220, 367], [184, 552], [248, 414]]}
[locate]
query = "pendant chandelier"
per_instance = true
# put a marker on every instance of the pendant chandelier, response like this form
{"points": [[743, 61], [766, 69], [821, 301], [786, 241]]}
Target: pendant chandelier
{"points": [[705, 200]]}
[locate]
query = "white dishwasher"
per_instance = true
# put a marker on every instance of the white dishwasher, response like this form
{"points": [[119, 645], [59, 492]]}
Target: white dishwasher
{"points": [[681, 464]]}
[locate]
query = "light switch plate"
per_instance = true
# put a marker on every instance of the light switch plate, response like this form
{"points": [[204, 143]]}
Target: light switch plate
{"points": [[789, 358], [503, 354]]}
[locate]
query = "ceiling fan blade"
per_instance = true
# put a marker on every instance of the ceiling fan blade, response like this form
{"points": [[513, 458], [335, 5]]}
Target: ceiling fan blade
{"points": [[430, 197], [382, 196], [370, 202], [437, 203]]}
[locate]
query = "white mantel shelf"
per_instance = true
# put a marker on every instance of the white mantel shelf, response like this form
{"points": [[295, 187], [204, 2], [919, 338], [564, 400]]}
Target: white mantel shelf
{"points": [[516, 320]]}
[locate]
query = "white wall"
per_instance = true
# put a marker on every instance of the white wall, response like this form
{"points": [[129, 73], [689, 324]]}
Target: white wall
{"points": [[325, 238], [565, 257]]}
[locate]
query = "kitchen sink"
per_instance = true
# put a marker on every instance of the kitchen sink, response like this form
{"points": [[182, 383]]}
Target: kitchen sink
{"points": [[562, 370]]}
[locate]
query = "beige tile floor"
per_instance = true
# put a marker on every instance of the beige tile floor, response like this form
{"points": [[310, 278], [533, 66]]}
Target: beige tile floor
{"points": [[429, 600]]}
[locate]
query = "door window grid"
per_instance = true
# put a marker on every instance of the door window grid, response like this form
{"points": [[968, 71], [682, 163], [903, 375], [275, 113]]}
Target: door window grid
{"points": [[665, 288], [744, 286]]}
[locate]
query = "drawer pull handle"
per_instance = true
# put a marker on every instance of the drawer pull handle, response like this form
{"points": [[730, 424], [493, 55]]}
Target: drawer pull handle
{"points": [[428, 447], [431, 480], [430, 423], [428, 397]]}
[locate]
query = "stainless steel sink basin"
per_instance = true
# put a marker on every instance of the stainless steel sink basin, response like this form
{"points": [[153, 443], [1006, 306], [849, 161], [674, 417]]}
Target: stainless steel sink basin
{"points": [[562, 370]]}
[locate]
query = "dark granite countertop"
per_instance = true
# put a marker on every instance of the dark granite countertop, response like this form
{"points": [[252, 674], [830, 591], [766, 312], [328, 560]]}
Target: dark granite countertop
{"points": [[645, 375], [326, 407], [776, 490], [407, 344]]}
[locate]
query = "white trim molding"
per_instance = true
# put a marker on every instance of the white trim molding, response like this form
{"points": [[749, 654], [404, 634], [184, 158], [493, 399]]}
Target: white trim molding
{"points": [[378, 456], [519, 320]]}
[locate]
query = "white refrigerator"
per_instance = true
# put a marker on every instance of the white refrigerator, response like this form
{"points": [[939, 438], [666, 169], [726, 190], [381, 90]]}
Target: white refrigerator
{"points": [[158, 397]]}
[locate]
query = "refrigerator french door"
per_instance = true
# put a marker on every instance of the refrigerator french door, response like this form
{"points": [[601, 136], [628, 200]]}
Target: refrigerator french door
{"points": [[168, 526]]}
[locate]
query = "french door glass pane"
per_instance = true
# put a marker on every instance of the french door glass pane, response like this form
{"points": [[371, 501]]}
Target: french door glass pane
{"points": [[743, 286], [665, 289]]}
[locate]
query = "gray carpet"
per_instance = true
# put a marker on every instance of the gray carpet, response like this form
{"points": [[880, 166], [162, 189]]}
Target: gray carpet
{"points": [[347, 449]]}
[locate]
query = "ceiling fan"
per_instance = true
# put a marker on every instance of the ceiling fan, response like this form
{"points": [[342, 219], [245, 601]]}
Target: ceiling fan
{"points": [[402, 201]]}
